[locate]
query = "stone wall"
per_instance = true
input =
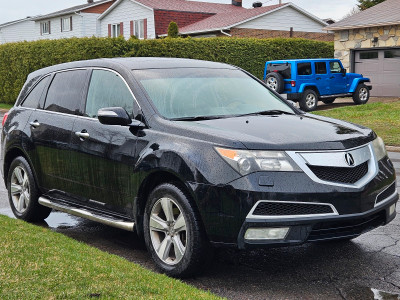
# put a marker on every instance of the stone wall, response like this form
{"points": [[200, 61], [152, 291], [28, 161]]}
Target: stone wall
{"points": [[345, 40], [263, 34]]}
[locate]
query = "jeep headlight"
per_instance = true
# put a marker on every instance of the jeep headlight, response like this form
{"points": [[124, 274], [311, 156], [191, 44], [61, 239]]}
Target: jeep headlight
{"points": [[379, 148], [246, 162]]}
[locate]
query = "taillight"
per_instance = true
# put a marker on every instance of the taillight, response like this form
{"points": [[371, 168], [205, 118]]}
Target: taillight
{"points": [[293, 83], [4, 119]]}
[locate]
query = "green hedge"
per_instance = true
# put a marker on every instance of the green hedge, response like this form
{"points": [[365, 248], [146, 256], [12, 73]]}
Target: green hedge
{"points": [[17, 60]]}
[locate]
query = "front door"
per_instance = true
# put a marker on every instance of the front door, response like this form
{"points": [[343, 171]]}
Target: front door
{"points": [[103, 155], [338, 81]]}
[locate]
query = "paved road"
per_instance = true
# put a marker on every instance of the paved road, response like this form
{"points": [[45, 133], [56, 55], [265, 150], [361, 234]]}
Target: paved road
{"points": [[366, 268]]}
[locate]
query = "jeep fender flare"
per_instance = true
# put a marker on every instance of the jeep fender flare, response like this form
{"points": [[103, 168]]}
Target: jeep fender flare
{"points": [[305, 86], [356, 82]]}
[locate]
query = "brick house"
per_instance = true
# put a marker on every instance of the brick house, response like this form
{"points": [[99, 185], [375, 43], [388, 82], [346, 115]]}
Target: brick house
{"points": [[369, 43], [150, 19]]}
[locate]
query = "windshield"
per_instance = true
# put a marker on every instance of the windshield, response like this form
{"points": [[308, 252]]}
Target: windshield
{"points": [[196, 92]]}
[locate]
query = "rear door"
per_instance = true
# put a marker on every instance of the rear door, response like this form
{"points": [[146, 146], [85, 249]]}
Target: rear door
{"points": [[322, 77], [103, 162], [50, 129]]}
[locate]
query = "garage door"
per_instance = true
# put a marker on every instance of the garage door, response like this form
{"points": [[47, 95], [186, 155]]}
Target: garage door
{"points": [[383, 67]]}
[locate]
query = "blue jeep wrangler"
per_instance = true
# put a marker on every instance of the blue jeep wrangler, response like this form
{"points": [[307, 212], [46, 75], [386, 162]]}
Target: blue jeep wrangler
{"points": [[308, 80]]}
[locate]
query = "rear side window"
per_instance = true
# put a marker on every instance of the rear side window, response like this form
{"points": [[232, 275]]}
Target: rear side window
{"points": [[320, 68], [33, 99], [107, 89], [304, 69], [66, 92]]}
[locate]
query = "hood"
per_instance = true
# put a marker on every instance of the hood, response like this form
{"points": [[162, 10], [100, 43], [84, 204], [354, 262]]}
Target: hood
{"points": [[281, 132]]}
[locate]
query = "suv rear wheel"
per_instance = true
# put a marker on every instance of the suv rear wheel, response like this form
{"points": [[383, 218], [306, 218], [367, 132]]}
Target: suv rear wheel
{"points": [[361, 94], [275, 82], [309, 100], [173, 232], [23, 193]]}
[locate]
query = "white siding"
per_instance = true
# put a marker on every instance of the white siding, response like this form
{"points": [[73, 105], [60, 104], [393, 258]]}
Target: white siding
{"points": [[90, 25], [55, 28], [283, 19], [125, 12], [22, 31]]}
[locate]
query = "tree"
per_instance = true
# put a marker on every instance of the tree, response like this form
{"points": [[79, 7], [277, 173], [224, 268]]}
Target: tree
{"points": [[365, 4], [173, 30]]}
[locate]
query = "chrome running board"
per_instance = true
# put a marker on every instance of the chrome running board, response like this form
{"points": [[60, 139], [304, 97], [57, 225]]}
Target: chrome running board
{"points": [[90, 215]]}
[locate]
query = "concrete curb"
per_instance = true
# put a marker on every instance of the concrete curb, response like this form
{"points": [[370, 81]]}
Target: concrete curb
{"points": [[393, 149]]}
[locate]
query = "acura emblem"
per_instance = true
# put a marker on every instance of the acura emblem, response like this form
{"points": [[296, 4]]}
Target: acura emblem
{"points": [[349, 159]]}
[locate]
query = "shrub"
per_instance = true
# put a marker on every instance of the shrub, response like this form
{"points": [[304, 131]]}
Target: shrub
{"points": [[17, 60], [173, 30]]}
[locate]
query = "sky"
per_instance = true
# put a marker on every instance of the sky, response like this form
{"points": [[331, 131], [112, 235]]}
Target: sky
{"points": [[11, 10]]}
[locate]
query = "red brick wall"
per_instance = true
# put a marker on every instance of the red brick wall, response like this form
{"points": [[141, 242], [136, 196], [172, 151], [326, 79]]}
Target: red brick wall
{"points": [[263, 34], [99, 9], [162, 19]]}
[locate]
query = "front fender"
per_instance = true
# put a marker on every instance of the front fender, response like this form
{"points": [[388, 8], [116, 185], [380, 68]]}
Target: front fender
{"points": [[356, 82]]}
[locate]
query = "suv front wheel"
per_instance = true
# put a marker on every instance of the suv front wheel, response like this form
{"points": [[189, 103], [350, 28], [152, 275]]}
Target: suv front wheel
{"points": [[173, 232], [361, 94], [309, 100]]}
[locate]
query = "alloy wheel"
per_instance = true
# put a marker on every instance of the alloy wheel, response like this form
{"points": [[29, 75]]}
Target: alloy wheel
{"points": [[20, 192], [168, 232], [363, 94], [272, 83], [310, 100]]}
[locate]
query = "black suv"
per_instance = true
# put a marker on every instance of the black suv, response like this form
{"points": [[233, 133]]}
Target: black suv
{"points": [[189, 154]]}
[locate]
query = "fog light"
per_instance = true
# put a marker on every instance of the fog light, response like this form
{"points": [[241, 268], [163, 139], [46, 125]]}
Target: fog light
{"points": [[392, 209], [266, 233]]}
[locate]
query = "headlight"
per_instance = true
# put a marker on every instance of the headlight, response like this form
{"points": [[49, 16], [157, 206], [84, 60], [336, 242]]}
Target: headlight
{"points": [[246, 162], [379, 148]]}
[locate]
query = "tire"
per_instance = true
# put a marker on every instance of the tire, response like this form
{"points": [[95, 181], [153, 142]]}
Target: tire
{"points": [[309, 100], [275, 82], [328, 100], [21, 185], [361, 94], [185, 250]]}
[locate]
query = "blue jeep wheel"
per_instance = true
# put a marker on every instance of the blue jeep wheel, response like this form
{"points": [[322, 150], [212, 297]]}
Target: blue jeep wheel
{"points": [[361, 94], [309, 100], [275, 82]]}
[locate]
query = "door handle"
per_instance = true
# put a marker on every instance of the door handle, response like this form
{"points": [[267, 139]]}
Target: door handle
{"points": [[318, 78], [34, 124], [82, 134], [332, 77]]}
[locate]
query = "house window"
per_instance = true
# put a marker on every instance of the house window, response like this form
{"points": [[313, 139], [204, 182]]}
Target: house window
{"points": [[139, 29], [45, 28], [66, 24], [369, 55], [115, 30]]}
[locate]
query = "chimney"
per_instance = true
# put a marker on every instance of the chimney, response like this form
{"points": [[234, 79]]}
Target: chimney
{"points": [[90, 1], [237, 2]]}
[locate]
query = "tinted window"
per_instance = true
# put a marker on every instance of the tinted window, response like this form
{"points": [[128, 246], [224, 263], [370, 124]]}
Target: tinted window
{"points": [[34, 96], [65, 92], [335, 67], [107, 89], [320, 68], [392, 54], [304, 69], [369, 55], [283, 69]]}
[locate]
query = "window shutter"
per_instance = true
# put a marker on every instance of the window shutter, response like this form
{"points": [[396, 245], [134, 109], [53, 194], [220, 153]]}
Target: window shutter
{"points": [[121, 28], [109, 30], [41, 28], [70, 23], [132, 28], [145, 28], [61, 28], [49, 28]]}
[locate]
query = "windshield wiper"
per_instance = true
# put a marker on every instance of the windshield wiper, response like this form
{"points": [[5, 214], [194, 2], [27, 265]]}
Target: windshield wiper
{"points": [[198, 118], [268, 113]]}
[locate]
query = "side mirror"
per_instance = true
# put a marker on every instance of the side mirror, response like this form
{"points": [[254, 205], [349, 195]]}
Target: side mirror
{"points": [[114, 116], [344, 72]]}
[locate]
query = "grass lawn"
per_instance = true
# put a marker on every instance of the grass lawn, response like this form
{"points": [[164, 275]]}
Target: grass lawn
{"points": [[383, 118], [5, 106], [37, 263]]}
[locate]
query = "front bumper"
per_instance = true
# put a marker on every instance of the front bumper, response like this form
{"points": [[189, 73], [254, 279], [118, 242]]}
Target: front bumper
{"points": [[312, 229]]}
